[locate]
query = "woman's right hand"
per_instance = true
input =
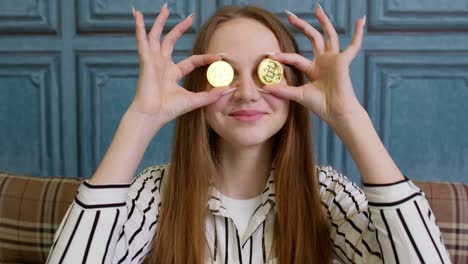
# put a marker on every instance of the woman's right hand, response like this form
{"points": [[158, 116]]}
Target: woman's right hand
{"points": [[158, 95]]}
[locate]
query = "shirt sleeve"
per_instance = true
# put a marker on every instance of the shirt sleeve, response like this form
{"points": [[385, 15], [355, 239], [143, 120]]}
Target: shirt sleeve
{"points": [[388, 223], [110, 223]]}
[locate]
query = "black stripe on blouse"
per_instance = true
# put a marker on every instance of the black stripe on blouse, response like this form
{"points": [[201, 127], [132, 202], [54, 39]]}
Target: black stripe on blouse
{"points": [[71, 237], [427, 230], [98, 206], [227, 239], [139, 251], [251, 246], [110, 235], [396, 202], [263, 242], [395, 254], [238, 247], [216, 238], [91, 235], [408, 233]]}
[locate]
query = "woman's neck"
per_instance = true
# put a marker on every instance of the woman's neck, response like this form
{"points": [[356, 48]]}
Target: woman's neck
{"points": [[244, 170]]}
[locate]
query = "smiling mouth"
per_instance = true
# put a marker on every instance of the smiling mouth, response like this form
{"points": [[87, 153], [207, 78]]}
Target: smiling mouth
{"points": [[248, 118]]}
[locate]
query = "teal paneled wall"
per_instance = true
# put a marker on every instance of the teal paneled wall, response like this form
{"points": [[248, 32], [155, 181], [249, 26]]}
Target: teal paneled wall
{"points": [[68, 71]]}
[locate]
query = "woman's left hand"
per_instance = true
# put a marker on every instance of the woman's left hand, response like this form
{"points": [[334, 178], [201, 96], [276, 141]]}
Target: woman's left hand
{"points": [[329, 92]]}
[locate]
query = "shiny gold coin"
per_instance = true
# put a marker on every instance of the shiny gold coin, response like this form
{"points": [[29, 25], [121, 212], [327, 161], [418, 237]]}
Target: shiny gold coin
{"points": [[270, 71], [220, 73]]}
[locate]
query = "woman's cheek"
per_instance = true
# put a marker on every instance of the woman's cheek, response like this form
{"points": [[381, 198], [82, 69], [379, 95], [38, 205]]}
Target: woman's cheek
{"points": [[277, 103], [216, 108]]}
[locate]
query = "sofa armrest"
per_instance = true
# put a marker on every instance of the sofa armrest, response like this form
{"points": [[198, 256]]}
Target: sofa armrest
{"points": [[449, 204], [31, 209]]}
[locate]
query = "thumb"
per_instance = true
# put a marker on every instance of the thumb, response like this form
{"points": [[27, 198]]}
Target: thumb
{"points": [[201, 99]]}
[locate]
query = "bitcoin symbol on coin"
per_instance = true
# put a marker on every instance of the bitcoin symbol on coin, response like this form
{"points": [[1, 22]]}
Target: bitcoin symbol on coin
{"points": [[270, 71]]}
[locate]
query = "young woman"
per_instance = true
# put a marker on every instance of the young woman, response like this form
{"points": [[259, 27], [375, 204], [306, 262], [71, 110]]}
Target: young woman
{"points": [[242, 185]]}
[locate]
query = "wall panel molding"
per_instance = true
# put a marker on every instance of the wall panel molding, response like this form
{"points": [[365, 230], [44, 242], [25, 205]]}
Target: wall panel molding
{"points": [[418, 106], [337, 11], [427, 15], [29, 16], [115, 16], [30, 114]]}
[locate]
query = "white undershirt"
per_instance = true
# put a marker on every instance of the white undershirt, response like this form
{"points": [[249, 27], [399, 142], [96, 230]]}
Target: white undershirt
{"points": [[241, 210]]}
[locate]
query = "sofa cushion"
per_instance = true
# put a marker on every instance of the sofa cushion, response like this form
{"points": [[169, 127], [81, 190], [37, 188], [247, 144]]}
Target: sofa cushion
{"points": [[31, 209], [449, 204]]}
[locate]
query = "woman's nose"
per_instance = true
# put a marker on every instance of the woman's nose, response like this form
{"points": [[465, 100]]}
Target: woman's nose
{"points": [[247, 89]]}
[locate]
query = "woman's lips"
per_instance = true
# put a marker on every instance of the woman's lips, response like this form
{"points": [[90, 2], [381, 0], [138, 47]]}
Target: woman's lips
{"points": [[248, 118], [247, 115]]}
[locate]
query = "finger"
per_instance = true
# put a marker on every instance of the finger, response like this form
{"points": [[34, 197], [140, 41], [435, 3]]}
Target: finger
{"points": [[333, 42], [171, 38], [353, 49], [158, 26], [140, 33], [285, 91], [189, 64], [293, 59], [311, 33]]}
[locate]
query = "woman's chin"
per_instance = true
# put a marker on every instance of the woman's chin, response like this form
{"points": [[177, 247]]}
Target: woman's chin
{"points": [[247, 139]]}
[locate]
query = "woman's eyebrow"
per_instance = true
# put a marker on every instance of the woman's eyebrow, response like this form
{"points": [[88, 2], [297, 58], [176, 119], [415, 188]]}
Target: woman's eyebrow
{"points": [[231, 61]]}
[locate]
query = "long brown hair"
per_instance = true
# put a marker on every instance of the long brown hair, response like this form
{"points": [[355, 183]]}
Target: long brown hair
{"points": [[300, 229]]}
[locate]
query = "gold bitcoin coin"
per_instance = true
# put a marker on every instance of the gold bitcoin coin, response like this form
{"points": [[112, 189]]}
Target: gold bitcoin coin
{"points": [[270, 71], [220, 73]]}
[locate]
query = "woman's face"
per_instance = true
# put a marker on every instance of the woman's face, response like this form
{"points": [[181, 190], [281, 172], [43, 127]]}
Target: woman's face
{"points": [[245, 42]]}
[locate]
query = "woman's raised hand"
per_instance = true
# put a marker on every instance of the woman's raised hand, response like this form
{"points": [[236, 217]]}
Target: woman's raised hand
{"points": [[158, 95], [329, 92]]}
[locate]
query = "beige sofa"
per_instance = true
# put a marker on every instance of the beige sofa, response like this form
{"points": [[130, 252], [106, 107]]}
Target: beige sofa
{"points": [[31, 209]]}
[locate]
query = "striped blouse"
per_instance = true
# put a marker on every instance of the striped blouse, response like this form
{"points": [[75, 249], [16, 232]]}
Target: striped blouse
{"points": [[388, 223]]}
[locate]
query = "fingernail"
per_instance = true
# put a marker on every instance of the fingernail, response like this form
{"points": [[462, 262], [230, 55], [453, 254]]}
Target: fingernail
{"points": [[230, 90], [191, 15], [318, 6], [222, 54], [133, 11], [165, 5], [289, 13], [263, 90], [364, 22], [270, 53]]}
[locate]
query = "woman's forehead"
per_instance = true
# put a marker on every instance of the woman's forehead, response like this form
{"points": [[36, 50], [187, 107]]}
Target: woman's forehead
{"points": [[244, 34]]}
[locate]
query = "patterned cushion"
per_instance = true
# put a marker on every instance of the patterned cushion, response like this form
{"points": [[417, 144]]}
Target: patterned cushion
{"points": [[449, 203], [31, 209]]}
